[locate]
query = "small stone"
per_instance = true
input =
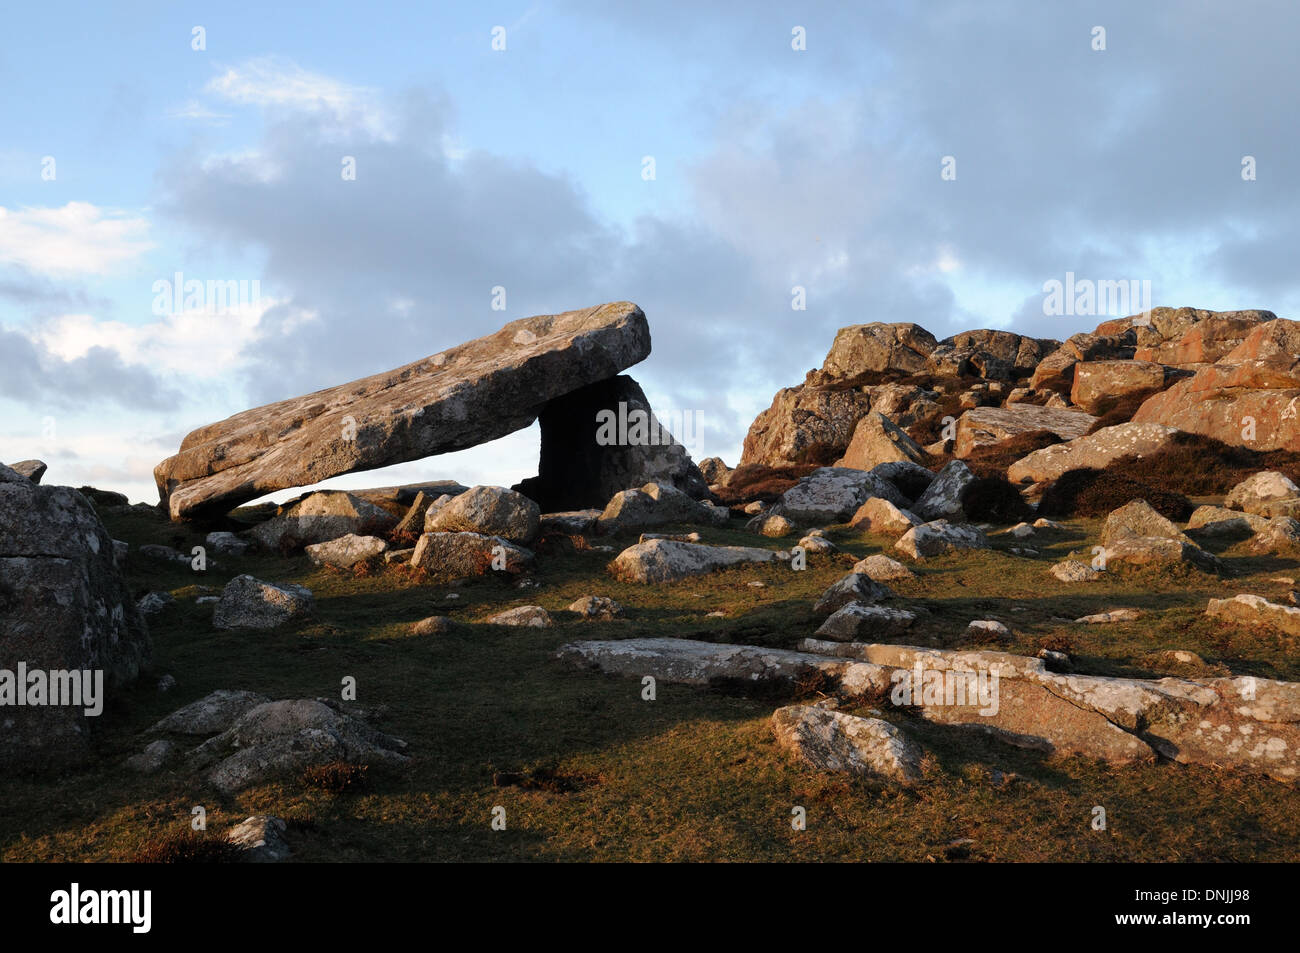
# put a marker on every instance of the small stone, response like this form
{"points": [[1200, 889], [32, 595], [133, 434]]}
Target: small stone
{"points": [[1113, 615], [433, 625], [260, 839], [530, 616]]}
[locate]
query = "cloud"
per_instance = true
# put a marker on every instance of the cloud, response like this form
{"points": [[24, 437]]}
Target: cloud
{"points": [[32, 375], [77, 239], [280, 86]]}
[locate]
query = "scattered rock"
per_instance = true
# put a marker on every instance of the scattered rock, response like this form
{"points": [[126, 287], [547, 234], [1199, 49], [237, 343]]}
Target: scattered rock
{"points": [[883, 569], [656, 504], [600, 608], [942, 500], [489, 511], [1137, 518], [464, 555], [260, 839], [1112, 615], [152, 759], [33, 470], [1256, 610], [1159, 551], [833, 741], [226, 544], [662, 560], [1250, 494], [833, 495], [857, 620], [940, 536], [531, 616], [1073, 570], [214, 712], [992, 426], [882, 517], [877, 439], [346, 551], [248, 603], [1220, 521], [855, 587], [433, 625], [320, 517]]}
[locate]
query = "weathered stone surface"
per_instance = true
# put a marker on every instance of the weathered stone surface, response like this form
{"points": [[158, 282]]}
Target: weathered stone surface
{"points": [[153, 758], [666, 560], [994, 355], [1281, 535], [656, 504], [942, 500], [1159, 551], [491, 511], [833, 741], [260, 839], [877, 439], [32, 469], [1256, 610], [603, 438], [463, 555], [570, 522], [990, 426], [226, 544], [879, 516], [714, 470], [63, 607], [412, 524], [152, 603], [1098, 382], [1189, 336], [1094, 451], [531, 616], [1137, 518], [433, 625], [881, 568], [468, 395], [1109, 616], [211, 714], [863, 352], [1259, 379], [855, 587], [857, 620], [690, 662], [1220, 521], [248, 603], [907, 405], [346, 551], [773, 527], [940, 536], [598, 608], [804, 425], [1253, 493], [833, 495], [1073, 570], [816, 544], [282, 738], [320, 517]]}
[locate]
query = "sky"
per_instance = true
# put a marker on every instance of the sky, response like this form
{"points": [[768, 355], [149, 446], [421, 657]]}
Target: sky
{"points": [[936, 162]]}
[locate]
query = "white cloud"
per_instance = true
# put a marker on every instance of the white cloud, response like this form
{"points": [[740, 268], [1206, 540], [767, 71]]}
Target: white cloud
{"points": [[273, 83], [197, 111], [77, 239], [194, 344]]}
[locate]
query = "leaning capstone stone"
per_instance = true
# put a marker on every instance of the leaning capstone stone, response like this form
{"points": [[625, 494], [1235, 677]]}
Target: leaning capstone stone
{"points": [[248, 603]]}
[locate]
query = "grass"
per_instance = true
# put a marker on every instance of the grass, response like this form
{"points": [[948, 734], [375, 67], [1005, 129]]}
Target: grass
{"points": [[587, 770]]}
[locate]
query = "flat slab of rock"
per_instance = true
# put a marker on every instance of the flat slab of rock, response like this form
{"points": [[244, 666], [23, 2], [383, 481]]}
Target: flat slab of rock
{"points": [[990, 426], [667, 560], [834, 741], [1221, 521], [1095, 451], [470, 394]]}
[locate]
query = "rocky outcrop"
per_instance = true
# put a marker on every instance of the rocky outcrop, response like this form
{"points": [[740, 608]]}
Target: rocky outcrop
{"points": [[805, 425], [1249, 397], [458, 398], [833, 495], [64, 607], [1099, 383]]}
